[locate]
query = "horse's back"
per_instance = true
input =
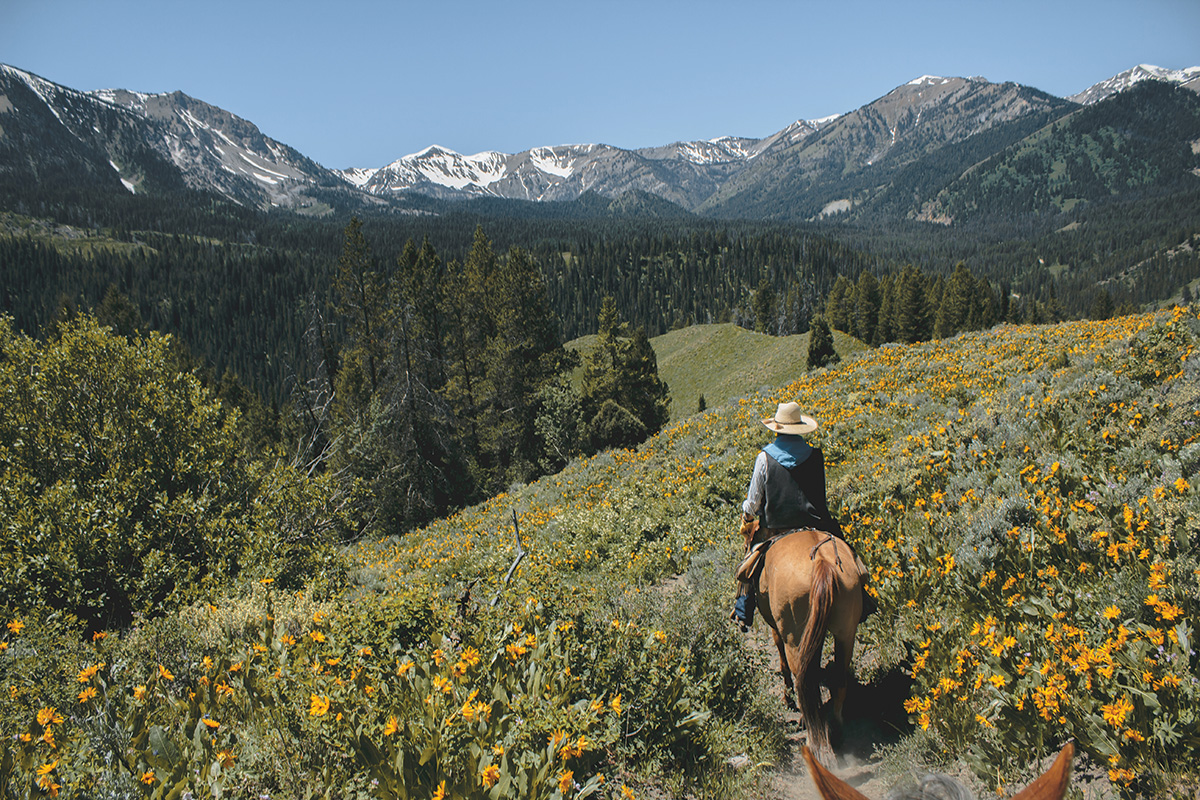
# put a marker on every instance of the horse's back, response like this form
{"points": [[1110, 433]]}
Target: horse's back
{"points": [[791, 573], [793, 557]]}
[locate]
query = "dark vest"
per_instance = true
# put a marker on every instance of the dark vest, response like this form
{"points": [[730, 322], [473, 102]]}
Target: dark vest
{"points": [[795, 498]]}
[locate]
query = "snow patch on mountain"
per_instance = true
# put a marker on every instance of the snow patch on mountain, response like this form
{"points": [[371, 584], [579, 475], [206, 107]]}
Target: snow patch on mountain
{"points": [[40, 86], [126, 183], [551, 163], [928, 80], [359, 176], [1131, 77]]}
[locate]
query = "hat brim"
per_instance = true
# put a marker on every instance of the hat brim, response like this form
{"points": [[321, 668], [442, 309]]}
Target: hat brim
{"points": [[806, 425]]}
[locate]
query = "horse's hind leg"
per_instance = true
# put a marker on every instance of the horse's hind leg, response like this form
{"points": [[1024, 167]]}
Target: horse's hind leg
{"points": [[837, 677], [785, 671]]}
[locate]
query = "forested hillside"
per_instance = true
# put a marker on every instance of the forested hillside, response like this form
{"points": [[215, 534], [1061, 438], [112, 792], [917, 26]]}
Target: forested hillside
{"points": [[1025, 498], [239, 289], [1135, 143]]}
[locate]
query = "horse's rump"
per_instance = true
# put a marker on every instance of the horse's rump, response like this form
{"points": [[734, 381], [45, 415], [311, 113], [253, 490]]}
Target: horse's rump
{"points": [[810, 586]]}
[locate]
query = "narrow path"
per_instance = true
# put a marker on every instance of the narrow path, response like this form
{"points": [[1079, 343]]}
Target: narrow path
{"points": [[873, 716], [856, 765]]}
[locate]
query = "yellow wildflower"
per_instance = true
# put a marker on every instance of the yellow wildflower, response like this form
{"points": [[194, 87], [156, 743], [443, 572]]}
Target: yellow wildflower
{"points": [[319, 705], [87, 674], [49, 715], [1115, 713]]}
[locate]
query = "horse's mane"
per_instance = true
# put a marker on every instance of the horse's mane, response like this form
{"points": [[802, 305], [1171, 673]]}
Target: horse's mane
{"points": [[932, 787]]}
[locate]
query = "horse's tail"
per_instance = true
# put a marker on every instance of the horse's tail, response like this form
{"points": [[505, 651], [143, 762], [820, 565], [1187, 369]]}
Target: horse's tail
{"points": [[820, 603]]}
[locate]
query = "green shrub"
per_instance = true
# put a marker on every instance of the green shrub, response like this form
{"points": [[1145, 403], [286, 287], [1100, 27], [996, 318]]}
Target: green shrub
{"points": [[124, 488]]}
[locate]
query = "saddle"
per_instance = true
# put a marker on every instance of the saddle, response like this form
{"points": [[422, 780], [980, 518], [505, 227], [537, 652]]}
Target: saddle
{"points": [[755, 558]]}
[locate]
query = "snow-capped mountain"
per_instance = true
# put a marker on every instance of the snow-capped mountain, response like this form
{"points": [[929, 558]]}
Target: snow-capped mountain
{"points": [[155, 142], [853, 159], [117, 140], [683, 172], [1188, 78]]}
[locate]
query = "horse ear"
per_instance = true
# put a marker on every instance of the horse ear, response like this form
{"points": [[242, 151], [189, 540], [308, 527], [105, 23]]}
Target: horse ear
{"points": [[830, 786], [1052, 784]]}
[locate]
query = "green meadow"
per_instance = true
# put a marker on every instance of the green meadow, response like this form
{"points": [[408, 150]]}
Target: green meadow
{"points": [[1025, 497]]}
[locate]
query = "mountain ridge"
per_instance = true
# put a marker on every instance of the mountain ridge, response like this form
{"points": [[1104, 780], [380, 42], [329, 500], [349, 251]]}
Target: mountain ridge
{"points": [[165, 142]]}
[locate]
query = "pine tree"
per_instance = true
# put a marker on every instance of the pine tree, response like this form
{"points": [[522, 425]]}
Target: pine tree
{"points": [[885, 330], [361, 301], [840, 305], [117, 312], [911, 309], [958, 299], [620, 384], [820, 345], [866, 307], [420, 278], [522, 355], [600, 366], [764, 307], [1102, 307], [639, 387]]}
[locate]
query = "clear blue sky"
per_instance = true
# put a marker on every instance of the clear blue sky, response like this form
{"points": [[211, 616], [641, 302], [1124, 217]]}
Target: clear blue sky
{"points": [[363, 83]]}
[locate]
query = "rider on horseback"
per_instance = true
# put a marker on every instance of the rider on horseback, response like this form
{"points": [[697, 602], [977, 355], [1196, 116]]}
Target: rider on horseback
{"points": [[788, 487]]}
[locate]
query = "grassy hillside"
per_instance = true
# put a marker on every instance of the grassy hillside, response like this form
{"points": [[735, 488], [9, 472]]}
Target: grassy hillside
{"points": [[1026, 498], [725, 362]]}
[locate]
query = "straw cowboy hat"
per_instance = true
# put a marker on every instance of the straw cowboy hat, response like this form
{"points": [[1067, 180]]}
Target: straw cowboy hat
{"points": [[788, 419]]}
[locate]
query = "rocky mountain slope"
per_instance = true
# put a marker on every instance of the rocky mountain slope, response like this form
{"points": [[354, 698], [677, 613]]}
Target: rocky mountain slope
{"points": [[889, 157], [149, 143]]}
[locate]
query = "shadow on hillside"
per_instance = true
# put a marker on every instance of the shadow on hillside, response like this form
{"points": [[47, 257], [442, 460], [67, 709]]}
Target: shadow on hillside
{"points": [[874, 715]]}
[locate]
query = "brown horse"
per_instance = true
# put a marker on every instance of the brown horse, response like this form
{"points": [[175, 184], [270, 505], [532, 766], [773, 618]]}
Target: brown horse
{"points": [[811, 584]]}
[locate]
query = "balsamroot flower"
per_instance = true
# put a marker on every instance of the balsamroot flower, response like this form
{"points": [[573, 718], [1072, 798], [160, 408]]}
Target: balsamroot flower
{"points": [[319, 705]]}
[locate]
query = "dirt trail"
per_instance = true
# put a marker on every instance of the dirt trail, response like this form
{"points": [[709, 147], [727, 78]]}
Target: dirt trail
{"points": [[856, 765], [871, 715]]}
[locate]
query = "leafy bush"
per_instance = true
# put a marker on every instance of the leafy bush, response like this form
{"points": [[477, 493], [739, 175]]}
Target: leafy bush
{"points": [[124, 489]]}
